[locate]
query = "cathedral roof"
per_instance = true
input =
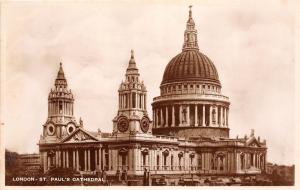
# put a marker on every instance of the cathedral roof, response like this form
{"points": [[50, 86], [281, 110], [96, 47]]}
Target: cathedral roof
{"points": [[190, 64]]}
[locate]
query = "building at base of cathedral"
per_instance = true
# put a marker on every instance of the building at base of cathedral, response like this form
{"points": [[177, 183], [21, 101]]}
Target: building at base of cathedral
{"points": [[188, 134]]}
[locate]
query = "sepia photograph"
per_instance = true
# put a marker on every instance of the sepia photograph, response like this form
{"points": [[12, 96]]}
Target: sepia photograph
{"points": [[148, 93]]}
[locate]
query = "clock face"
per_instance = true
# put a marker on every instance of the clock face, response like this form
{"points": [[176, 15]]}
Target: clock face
{"points": [[123, 124], [50, 129], [70, 128], [145, 124]]}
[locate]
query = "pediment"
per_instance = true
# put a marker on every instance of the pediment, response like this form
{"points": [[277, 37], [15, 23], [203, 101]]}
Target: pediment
{"points": [[79, 136], [253, 142]]}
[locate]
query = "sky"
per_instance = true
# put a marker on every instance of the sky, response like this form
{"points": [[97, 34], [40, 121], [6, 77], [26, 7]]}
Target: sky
{"points": [[252, 49]]}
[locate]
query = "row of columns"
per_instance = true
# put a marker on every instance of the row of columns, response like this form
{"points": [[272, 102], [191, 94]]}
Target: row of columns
{"points": [[244, 161], [126, 100], [53, 108], [137, 160], [61, 158], [218, 116]]}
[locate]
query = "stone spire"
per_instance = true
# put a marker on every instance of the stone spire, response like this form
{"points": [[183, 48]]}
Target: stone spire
{"points": [[60, 74], [132, 69], [132, 64], [60, 79], [190, 34]]}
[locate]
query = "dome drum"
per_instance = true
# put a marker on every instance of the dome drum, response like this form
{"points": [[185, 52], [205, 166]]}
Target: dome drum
{"points": [[189, 88]]}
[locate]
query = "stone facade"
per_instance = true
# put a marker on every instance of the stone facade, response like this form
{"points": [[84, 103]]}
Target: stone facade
{"points": [[188, 134]]}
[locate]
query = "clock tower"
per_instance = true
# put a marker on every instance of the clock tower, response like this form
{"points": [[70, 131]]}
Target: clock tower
{"points": [[61, 121], [132, 117]]}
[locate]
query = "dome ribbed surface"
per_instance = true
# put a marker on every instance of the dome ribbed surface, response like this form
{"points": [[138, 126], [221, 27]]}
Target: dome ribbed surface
{"points": [[191, 65]]}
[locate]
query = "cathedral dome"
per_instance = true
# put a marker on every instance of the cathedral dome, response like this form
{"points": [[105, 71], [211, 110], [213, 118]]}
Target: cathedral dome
{"points": [[191, 65]]}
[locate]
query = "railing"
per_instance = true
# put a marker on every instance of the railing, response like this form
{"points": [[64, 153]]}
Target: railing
{"points": [[187, 96]]}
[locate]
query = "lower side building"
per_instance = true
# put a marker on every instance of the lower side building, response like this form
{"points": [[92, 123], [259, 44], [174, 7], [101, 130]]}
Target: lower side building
{"points": [[87, 154]]}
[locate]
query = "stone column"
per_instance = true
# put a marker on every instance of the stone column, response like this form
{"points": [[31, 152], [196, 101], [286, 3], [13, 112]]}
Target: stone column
{"points": [[125, 103], [153, 117], [188, 115], [145, 101], [124, 100], [59, 158], [210, 115], [173, 116], [217, 116], [139, 159], [74, 154], [142, 101], [196, 115], [203, 115], [150, 159], [109, 159], [64, 158], [120, 101], [96, 159], [85, 160], [225, 117], [77, 160], [100, 158], [115, 161], [129, 160], [44, 154], [166, 123], [161, 117], [221, 116], [137, 100], [67, 158], [161, 161], [48, 163], [134, 163], [157, 117], [56, 158], [180, 115], [89, 160]]}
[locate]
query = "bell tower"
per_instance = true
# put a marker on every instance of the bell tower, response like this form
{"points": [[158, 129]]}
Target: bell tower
{"points": [[132, 117], [61, 121]]}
